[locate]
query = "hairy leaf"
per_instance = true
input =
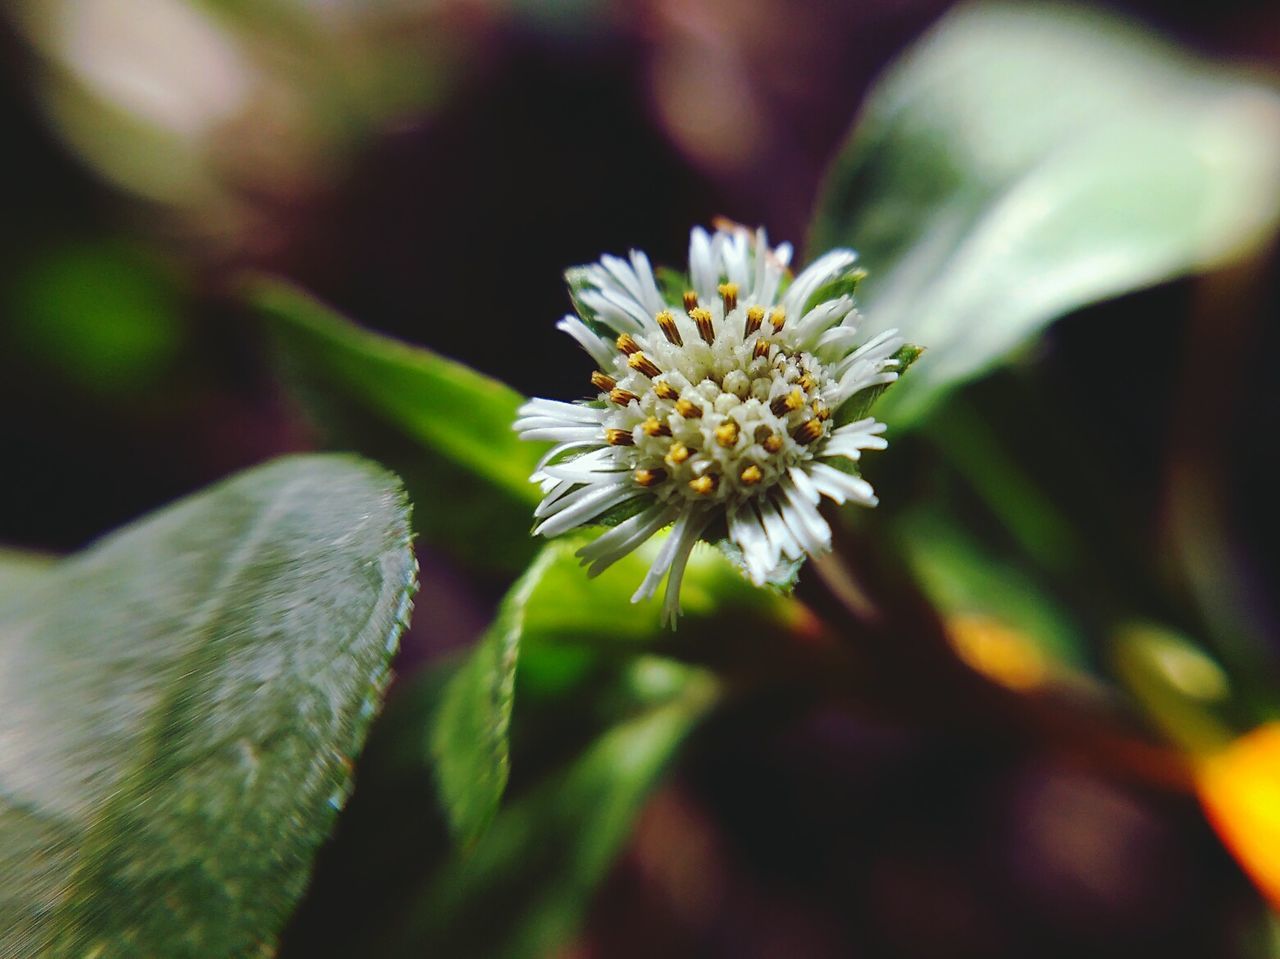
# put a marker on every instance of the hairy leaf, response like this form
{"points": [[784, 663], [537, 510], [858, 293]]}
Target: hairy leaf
{"points": [[181, 705]]}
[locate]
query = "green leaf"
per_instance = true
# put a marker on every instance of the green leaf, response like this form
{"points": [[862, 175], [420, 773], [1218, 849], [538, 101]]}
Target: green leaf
{"points": [[1024, 160], [555, 623], [469, 740], [521, 890], [181, 705], [1180, 687], [19, 569], [967, 578], [444, 427], [394, 884]]}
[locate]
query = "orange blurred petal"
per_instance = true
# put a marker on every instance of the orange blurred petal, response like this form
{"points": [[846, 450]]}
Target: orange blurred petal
{"points": [[1239, 788], [999, 652]]}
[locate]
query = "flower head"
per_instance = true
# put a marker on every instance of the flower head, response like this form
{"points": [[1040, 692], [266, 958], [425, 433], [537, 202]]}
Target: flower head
{"points": [[717, 408]]}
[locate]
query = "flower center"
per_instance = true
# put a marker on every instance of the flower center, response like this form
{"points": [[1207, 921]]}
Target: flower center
{"points": [[720, 406]]}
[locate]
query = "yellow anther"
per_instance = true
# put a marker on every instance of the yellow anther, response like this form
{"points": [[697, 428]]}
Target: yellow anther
{"points": [[667, 323], [650, 477], [627, 344], [755, 316], [704, 485], [787, 403], [751, 475], [690, 301], [778, 317], [665, 391], [619, 438], [821, 410], [705, 327], [655, 427], [761, 348], [806, 382], [602, 382], [727, 433], [773, 444], [621, 397], [677, 454], [688, 409], [729, 296], [642, 364], [807, 432]]}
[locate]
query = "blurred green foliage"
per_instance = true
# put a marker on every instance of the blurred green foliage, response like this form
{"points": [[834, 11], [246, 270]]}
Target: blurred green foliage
{"points": [[1022, 161], [103, 315]]}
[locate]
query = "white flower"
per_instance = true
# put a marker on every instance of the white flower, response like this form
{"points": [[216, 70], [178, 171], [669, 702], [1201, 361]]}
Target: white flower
{"points": [[723, 407]]}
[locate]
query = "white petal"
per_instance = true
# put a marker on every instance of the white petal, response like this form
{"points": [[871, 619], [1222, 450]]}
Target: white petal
{"points": [[820, 318], [703, 273], [737, 258], [821, 271], [567, 492], [876, 350], [561, 434], [599, 349], [806, 524], [747, 533], [585, 509], [650, 295], [666, 555], [840, 486], [556, 451], [671, 599], [573, 412], [603, 552], [616, 309], [779, 536], [804, 485], [838, 337]]}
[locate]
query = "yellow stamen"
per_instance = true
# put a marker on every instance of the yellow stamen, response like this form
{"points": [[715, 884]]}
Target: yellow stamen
{"points": [[641, 363], [619, 438], [807, 432], [626, 344], [727, 433], [704, 485], [778, 317], [621, 397], [751, 475], [677, 454], [650, 477], [821, 410], [667, 323], [755, 316], [690, 301], [665, 391], [705, 327], [787, 403], [688, 409], [655, 427], [602, 382], [773, 444], [806, 382], [729, 296], [761, 348]]}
